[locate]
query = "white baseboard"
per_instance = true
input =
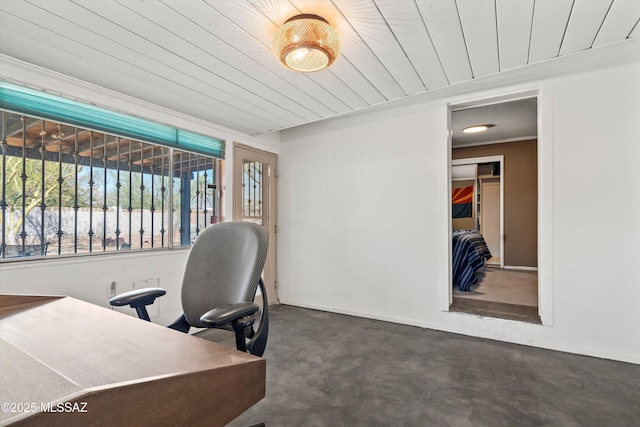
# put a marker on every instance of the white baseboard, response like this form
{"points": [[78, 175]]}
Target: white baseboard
{"points": [[520, 335]]}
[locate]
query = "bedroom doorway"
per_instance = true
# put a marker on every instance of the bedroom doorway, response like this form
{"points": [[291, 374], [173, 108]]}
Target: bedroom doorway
{"points": [[494, 248]]}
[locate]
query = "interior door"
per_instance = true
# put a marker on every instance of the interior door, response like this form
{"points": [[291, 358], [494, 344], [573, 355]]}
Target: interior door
{"points": [[490, 215], [254, 200]]}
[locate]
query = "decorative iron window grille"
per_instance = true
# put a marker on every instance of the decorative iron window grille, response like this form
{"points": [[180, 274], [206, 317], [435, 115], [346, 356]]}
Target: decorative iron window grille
{"points": [[72, 190], [252, 187]]}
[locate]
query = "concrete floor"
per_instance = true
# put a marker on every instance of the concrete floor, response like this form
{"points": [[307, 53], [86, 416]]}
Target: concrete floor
{"points": [[327, 369]]}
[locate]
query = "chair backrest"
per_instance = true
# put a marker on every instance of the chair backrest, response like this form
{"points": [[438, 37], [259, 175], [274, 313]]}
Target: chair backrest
{"points": [[223, 267]]}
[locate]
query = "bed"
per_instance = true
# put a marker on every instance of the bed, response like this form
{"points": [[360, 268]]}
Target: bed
{"points": [[470, 253]]}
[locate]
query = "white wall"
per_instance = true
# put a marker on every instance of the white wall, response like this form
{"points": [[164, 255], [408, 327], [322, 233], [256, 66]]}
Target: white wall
{"points": [[86, 277], [363, 216]]}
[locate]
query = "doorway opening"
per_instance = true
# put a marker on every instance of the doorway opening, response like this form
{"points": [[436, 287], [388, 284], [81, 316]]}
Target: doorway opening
{"points": [[494, 249]]}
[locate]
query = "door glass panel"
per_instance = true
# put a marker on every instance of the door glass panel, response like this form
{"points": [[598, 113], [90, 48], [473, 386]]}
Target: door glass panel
{"points": [[252, 192]]}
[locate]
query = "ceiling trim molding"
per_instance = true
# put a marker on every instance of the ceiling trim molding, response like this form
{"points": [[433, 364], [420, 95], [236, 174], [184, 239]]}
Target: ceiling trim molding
{"points": [[522, 78]]}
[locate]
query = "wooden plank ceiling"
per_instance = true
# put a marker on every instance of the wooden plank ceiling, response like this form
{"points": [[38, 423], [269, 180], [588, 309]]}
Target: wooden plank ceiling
{"points": [[212, 59]]}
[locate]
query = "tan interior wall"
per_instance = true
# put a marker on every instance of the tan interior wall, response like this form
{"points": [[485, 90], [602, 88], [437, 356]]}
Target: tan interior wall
{"points": [[464, 223], [520, 176]]}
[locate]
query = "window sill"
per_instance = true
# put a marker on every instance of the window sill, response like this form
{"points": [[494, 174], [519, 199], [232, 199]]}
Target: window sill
{"points": [[83, 258]]}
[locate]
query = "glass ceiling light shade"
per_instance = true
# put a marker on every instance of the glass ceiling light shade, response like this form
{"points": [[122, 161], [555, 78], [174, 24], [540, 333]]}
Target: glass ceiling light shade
{"points": [[306, 43]]}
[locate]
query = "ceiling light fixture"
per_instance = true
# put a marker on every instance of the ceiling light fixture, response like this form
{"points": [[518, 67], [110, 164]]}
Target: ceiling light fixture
{"points": [[476, 128], [306, 43]]}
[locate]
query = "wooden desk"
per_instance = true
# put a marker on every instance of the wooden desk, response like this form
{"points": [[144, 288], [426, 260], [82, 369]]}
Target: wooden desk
{"points": [[74, 356]]}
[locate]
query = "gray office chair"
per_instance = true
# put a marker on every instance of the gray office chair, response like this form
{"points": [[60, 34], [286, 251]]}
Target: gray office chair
{"points": [[220, 281]]}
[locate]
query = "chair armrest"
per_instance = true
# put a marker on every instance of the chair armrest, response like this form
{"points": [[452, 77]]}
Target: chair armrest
{"points": [[137, 297], [228, 313]]}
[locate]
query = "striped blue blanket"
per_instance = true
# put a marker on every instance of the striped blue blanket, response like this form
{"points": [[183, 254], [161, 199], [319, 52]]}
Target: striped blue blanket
{"points": [[470, 253]]}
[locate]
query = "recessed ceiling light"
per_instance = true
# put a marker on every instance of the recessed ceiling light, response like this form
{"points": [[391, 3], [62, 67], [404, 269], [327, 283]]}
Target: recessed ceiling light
{"points": [[477, 128]]}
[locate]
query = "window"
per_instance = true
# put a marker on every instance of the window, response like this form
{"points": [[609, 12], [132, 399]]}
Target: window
{"points": [[73, 190]]}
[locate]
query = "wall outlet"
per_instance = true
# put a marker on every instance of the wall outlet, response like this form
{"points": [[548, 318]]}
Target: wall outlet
{"points": [[148, 283], [153, 309], [111, 289]]}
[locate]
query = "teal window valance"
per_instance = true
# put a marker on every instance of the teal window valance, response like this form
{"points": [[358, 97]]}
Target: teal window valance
{"points": [[32, 102]]}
